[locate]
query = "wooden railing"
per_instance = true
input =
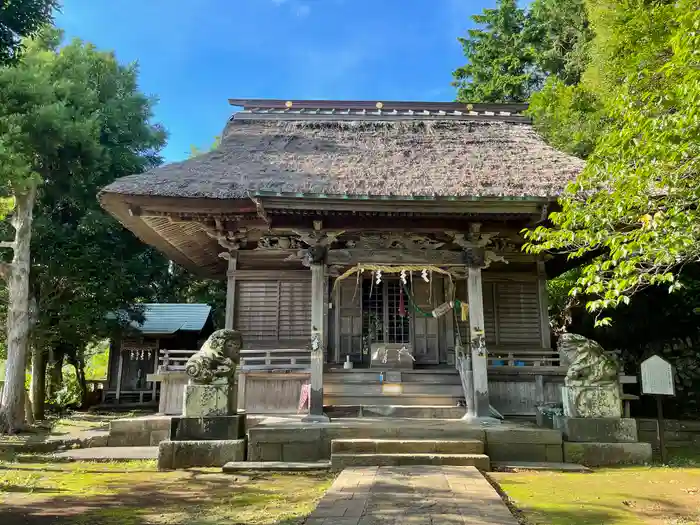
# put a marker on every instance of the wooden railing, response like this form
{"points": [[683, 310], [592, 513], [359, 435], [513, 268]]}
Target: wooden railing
{"points": [[519, 359], [276, 359], [279, 359], [173, 360]]}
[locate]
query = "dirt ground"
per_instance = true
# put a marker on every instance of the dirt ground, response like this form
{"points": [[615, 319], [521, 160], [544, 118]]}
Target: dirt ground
{"points": [[41, 491]]}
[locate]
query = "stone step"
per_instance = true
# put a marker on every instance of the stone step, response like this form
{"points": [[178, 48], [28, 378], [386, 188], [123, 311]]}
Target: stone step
{"points": [[234, 467], [391, 399], [396, 411], [378, 389], [372, 376], [341, 461], [406, 446]]}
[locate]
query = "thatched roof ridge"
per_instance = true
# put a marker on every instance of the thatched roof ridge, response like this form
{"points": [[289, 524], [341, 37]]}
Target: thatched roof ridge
{"points": [[399, 158]]}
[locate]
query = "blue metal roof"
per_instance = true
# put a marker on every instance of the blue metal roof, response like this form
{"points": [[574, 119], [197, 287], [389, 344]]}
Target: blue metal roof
{"points": [[168, 318]]}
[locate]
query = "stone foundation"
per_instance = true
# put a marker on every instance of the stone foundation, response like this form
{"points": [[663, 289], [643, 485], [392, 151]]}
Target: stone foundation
{"points": [[203, 428], [597, 430], [508, 444], [601, 454], [202, 453], [138, 432]]}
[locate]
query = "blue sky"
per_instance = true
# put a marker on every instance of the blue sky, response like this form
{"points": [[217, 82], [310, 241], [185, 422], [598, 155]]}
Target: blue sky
{"points": [[194, 55]]}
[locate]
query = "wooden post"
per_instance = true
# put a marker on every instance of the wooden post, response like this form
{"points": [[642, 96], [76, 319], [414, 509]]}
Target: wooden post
{"points": [[241, 389], [231, 290], [661, 426], [477, 339], [318, 279], [544, 304], [155, 370], [119, 373]]}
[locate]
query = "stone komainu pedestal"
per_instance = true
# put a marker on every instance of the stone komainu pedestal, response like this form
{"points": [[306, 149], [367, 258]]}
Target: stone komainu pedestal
{"points": [[209, 400], [210, 433], [601, 400], [592, 426]]}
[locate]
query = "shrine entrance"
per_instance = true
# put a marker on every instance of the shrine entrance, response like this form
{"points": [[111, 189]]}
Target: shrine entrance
{"points": [[385, 316], [390, 312]]}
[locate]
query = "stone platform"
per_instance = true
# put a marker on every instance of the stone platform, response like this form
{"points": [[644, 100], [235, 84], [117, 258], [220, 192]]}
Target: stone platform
{"points": [[289, 440]]}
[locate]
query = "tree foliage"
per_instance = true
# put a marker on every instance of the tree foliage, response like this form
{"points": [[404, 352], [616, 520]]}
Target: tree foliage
{"points": [[634, 208], [73, 120], [516, 49], [21, 19], [499, 67], [560, 35]]}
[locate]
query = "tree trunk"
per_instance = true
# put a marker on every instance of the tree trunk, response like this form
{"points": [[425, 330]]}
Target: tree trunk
{"points": [[28, 409], [79, 366], [38, 385], [55, 373], [12, 409]]}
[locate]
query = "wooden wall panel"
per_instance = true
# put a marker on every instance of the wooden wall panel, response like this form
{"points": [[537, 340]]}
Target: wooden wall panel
{"points": [[271, 312]]}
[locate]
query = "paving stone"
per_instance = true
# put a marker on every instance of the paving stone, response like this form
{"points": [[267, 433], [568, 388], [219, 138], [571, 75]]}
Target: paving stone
{"points": [[109, 453], [544, 466], [420, 495]]}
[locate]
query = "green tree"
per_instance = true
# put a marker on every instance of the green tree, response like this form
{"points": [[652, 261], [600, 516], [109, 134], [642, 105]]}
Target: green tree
{"points": [[569, 117], [500, 59], [634, 208], [71, 120], [21, 19], [560, 35]]}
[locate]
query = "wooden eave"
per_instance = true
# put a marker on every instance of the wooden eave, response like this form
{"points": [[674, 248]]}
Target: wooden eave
{"points": [[175, 226]]}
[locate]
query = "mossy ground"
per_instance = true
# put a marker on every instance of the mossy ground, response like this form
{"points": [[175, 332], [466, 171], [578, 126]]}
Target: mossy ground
{"points": [[37, 490], [649, 495]]}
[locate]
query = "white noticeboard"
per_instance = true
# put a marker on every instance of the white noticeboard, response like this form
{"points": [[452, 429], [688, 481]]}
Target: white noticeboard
{"points": [[657, 377]]}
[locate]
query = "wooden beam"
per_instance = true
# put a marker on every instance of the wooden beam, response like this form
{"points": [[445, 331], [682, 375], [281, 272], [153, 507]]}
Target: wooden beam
{"points": [[388, 256], [387, 105], [274, 275], [489, 206]]}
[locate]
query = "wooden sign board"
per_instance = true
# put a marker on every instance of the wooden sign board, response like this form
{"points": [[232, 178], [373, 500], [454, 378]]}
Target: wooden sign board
{"points": [[657, 377]]}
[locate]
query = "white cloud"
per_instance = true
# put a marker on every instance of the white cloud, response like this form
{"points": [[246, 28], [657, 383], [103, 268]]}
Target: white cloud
{"points": [[303, 10]]}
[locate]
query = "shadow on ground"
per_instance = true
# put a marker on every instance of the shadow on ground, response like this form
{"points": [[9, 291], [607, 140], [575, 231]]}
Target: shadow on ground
{"points": [[90, 494]]}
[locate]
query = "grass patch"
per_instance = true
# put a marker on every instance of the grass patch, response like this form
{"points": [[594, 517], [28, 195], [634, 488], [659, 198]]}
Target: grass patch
{"points": [[35, 490], [650, 495]]}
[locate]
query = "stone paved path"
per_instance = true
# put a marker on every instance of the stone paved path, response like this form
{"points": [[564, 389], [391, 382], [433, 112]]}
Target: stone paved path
{"points": [[109, 453], [411, 496]]}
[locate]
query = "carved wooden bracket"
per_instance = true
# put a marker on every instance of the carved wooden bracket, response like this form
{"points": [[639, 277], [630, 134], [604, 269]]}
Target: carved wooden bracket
{"points": [[475, 245], [231, 240]]}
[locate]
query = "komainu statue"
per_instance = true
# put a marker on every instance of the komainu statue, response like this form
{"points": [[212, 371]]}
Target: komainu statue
{"points": [[589, 365], [592, 388], [217, 359]]}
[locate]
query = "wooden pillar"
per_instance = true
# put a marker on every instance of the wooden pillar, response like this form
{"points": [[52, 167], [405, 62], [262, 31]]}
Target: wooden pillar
{"points": [[120, 368], [231, 290], [477, 339], [318, 292], [544, 304]]}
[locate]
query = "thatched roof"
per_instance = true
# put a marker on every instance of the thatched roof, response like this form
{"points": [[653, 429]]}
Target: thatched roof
{"points": [[386, 156], [342, 160]]}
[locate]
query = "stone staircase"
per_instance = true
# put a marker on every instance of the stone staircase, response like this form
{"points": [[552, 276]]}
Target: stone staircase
{"points": [[376, 392], [407, 452]]}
